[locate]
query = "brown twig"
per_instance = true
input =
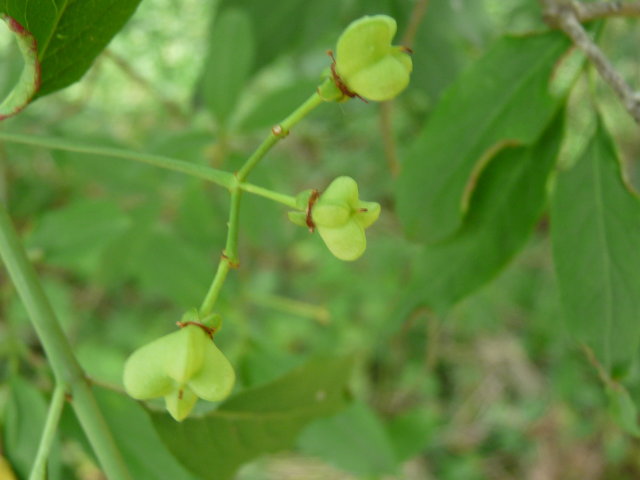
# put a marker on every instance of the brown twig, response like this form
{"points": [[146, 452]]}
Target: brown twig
{"points": [[172, 107], [597, 366], [419, 9], [565, 15], [388, 138], [592, 11], [386, 108]]}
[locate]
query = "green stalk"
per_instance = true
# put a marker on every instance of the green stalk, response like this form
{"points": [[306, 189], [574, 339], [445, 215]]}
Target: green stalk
{"points": [[63, 362], [38, 472], [279, 131], [278, 197], [219, 177], [230, 256]]}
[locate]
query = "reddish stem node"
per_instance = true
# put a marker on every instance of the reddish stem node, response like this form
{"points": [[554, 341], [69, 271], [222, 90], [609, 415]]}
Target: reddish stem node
{"points": [[312, 200], [210, 331]]}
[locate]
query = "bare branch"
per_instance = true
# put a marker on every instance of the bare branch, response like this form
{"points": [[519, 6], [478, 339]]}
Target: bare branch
{"points": [[591, 11], [172, 107], [564, 14], [415, 19]]}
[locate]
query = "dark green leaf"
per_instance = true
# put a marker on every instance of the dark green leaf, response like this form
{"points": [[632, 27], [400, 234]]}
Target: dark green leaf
{"points": [[170, 268], [275, 25], [144, 453], [353, 440], [25, 418], [596, 233], [262, 420], [74, 236], [503, 99], [413, 431], [504, 208], [441, 48], [69, 34], [229, 62], [278, 104]]}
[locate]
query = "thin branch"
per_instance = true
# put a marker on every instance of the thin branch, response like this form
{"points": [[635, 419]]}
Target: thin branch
{"points": [[219, 177], [229, 258], [172, 107], [592, 11], [39, 470], [419, 9], [564, 15], [597, 366], [63, 362], [388, 138], [389, 143]]}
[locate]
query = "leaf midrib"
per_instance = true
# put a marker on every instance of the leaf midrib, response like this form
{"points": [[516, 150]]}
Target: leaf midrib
{"points": [[46, 44], [606, 265]]}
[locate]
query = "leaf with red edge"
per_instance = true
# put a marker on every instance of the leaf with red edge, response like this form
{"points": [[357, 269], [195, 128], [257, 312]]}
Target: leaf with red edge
{"points": [[59, 40]]}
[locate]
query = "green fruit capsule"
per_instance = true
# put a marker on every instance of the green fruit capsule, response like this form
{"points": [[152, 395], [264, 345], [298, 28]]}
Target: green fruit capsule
{"points": [[180, 367], [341, 218], [180, 402], [347, 243], [366, 62], [214, 381]]}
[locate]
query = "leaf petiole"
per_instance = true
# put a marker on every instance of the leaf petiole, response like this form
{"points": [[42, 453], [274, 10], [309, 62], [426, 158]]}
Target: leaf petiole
{"points": [[39, 469]]}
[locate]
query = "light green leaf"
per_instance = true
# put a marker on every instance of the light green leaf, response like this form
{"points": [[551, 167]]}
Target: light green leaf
{"points": [[229, 62], [68, 35], [596, 234], [623, 409], [261, 420], [502, 100], [504, 208], [353, 440]]}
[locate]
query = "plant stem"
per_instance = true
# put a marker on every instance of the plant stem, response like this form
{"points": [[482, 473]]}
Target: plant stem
{"points": [[38, 471], [229, 258], [564, 14], [591, 11], [287, 200], [279, 131], [219, 177], [63, 363]]}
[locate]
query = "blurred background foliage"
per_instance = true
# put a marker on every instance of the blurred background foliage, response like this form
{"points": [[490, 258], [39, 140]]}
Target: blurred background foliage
{"points": [[493, 391]]}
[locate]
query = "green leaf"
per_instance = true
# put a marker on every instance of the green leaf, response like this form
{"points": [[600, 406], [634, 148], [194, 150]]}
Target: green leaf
{"points": [[144, 453], [623, 410], [276, 26], [25, 418], [75, 235], [69, 34], [353, 440], [595, 234], [504, 208], [277, 104], [182, 275], [261, 420], [502, 100], [229, 62], [413, 431]]}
